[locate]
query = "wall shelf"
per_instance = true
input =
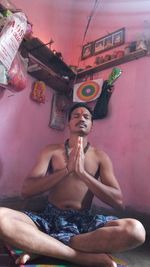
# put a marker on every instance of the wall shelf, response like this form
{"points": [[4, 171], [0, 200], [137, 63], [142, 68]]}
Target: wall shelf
{"points": [[46, 66], [112, 63]]}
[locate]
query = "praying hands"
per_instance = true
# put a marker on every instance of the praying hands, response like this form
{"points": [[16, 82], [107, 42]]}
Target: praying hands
{"points": [[76, 158]]}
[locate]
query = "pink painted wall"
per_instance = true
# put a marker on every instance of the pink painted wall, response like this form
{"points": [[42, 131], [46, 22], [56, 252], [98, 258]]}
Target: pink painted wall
{"points": [[24, 132], [123, 134], [24, 127]]}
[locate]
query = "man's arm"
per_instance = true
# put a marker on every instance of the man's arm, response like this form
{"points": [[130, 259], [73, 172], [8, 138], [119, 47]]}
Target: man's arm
{"points": [[108, 189], [38, 181]]}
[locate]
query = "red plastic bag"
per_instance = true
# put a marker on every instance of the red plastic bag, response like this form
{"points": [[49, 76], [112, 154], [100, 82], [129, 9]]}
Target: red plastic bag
{"points": [[17, 78]]}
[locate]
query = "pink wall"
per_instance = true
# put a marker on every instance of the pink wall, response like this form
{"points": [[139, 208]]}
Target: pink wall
{"points": [[123, 134], [24, 132], [52, 20]]}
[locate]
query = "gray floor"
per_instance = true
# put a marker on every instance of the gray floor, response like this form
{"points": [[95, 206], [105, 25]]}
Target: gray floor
{"points": [[139, 257]]}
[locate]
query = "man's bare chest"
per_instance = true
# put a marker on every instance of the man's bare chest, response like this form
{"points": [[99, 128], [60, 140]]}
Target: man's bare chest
{"points": [[60, 161]]}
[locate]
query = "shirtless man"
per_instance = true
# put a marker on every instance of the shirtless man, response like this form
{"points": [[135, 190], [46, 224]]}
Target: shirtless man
{"points": [[80, 171]]}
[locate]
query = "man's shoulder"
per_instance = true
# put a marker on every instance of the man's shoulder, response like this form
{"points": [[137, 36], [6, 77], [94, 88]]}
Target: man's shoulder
{"points": [[101, 154], [51, 148], [98, 151]]}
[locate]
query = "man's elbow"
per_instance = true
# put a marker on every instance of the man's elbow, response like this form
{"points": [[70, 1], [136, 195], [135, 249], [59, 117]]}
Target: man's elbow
{"points": [[120, 203]]}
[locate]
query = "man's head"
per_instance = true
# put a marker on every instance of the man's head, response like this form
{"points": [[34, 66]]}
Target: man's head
{"points": [[80, 119]]}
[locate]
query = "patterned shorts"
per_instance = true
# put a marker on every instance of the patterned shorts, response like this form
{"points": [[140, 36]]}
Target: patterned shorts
{"points": [[63, 224]]}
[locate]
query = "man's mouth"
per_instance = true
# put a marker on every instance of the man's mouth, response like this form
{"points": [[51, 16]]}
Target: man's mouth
{"points": [[81, 125]]}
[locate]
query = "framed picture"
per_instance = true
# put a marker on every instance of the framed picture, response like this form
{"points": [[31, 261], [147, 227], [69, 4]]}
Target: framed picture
{"points": [[58, 114], [99, 45], [109, 41], [118, 37], [87, 50]]}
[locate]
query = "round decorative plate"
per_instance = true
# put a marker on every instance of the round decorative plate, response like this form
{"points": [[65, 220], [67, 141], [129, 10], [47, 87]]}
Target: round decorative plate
{"points": [[88, 91]]}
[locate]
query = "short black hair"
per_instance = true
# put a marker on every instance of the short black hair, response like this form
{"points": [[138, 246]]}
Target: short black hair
{"points": [[80, 105]]}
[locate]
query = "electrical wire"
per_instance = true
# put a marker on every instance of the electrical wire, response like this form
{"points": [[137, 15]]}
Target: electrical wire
{"points": [[89, 20], [85, 32]]}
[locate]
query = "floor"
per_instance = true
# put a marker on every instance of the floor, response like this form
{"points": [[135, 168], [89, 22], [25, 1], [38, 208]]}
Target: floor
{"points": [[139, 257]]}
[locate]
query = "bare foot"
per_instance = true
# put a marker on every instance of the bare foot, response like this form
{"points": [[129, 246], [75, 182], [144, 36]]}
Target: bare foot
{"points": [[23, 258], [96, 260]]}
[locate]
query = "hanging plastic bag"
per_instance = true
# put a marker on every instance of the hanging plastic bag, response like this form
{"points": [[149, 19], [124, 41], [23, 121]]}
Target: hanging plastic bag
{"points": [[17, 75], [14, 73], [16, 78], [11, 36]]}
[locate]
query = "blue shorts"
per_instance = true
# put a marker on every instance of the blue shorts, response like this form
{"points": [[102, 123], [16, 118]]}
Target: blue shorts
{"points": [[63, 224]]}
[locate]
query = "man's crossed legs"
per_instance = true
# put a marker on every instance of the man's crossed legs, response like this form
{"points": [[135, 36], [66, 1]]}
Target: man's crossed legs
{"points": [[90, 249]]}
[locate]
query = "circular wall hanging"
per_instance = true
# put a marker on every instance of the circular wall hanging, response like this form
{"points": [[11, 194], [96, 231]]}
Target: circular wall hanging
{"points": [[88, 91]]}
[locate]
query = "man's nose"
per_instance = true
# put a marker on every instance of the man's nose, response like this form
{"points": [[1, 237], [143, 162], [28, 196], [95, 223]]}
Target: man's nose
{"points": [[82, 118]]}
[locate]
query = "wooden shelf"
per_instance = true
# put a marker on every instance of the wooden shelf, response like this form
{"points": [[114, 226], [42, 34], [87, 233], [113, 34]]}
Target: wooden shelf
{"points": [[46, 66], [112, 63]]}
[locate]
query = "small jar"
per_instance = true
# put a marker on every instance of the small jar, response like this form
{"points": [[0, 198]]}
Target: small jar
{"points": [[107, 58], [114, 55], [127, 50], [120, 53], [99, 60], [133, 46]]}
